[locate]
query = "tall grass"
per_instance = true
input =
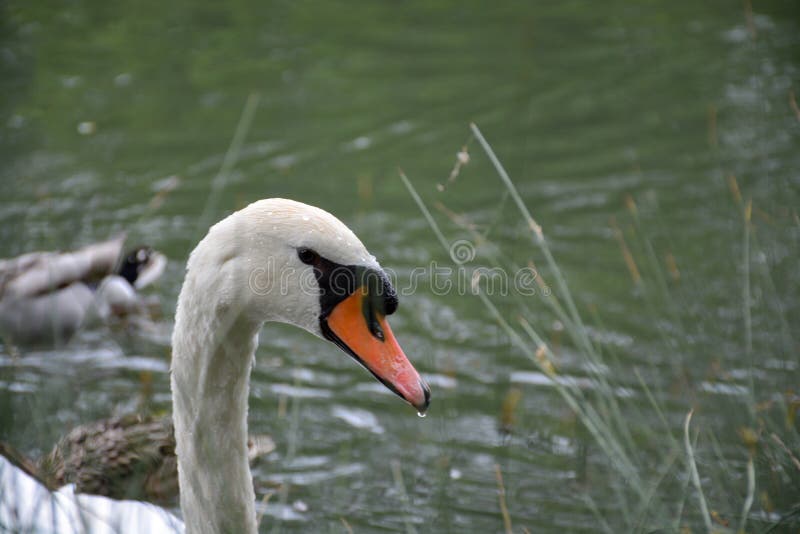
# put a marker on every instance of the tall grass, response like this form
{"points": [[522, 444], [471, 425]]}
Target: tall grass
{"points": [[659, 484]]}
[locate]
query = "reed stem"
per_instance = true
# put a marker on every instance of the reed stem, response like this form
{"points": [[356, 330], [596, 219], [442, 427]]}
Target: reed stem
{"points": [[695, 475]]}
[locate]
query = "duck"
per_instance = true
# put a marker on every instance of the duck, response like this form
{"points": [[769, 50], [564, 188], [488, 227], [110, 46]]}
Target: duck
{"points": [[126, 457], [276, 260], [45, 297]]}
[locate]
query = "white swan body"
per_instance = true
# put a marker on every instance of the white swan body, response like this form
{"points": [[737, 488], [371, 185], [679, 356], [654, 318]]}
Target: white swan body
{"points": [[275, 260], [27, 506]]}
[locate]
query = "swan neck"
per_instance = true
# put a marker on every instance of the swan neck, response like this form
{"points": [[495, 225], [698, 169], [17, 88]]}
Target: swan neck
{"points": [[213, 350]]}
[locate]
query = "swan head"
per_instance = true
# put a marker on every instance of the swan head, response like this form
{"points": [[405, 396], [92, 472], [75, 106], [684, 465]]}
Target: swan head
{"points": [[285, 261]]}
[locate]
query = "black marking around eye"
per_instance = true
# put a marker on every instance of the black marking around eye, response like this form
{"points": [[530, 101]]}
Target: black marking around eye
{"points": [[337, 282]]}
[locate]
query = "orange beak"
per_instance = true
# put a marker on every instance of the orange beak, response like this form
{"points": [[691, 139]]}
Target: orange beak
{"points": [[375, 347]]}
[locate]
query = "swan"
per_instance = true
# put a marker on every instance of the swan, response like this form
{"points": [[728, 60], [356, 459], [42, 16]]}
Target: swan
{"points": [[45, 297], [276, 260]]}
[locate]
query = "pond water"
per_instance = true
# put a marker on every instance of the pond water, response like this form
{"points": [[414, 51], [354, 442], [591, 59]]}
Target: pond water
{"points": [[591, 109]]}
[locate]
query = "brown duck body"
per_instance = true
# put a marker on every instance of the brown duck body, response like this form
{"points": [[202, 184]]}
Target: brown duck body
{"points": [[126, 457]]}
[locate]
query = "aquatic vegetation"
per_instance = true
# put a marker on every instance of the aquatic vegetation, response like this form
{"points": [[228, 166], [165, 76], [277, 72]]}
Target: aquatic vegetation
{"points": [[665, 474]]}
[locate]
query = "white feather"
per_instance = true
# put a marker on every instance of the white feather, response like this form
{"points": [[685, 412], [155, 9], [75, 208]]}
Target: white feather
{"points": [[27, 506]]}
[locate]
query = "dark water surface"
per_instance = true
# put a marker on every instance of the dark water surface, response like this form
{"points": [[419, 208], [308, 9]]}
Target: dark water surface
{"points": [[584, 102]]}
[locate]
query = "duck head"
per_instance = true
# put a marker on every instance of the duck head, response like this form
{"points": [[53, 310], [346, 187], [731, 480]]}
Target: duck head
{"points": [[141, 266]]}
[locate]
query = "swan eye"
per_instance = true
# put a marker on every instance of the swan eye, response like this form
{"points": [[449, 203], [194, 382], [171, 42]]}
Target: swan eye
{"points": [[307, 255]]}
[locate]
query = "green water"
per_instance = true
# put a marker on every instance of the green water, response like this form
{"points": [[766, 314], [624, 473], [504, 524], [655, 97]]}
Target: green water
{"points": [[584, 102]]}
